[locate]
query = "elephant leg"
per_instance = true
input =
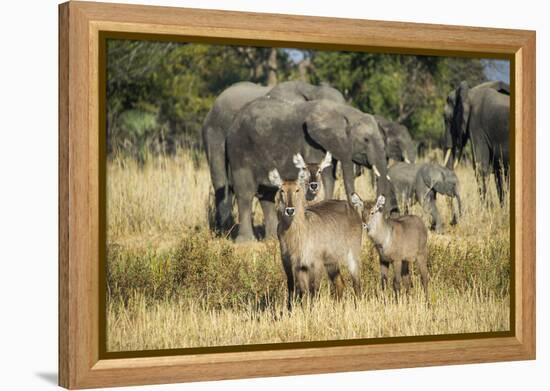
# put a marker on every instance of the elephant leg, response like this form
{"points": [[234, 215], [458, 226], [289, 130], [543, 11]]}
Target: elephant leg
{"points": [[430, 207], [501, 179], [223, 198], [481, 154], [223, 195], [481, 177], [245, 190], [267, 201]]}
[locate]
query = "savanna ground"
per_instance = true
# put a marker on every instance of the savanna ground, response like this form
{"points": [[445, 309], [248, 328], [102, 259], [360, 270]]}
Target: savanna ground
{"points": [[173, 284]]}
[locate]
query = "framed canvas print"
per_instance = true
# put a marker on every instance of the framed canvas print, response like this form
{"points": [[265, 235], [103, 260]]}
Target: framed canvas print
{"points": [[247, 195]]}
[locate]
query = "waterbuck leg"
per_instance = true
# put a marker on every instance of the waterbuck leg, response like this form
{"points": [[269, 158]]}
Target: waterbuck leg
{"points": [[289, 279], [333, 272], [354, 268], [397, 265], [406, 275], [384, 266], [314, 281], [270, 218], [302, 281], [422, 264]]}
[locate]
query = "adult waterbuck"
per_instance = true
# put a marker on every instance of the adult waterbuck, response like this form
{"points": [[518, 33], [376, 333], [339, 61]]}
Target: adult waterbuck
{"points": [[325, 235], [399, 240]]}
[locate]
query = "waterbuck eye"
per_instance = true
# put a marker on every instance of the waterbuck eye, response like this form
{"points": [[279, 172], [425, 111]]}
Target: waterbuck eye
{"points": [[297, 190]]}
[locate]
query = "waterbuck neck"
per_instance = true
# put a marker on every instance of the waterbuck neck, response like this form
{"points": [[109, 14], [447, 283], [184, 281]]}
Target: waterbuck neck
{"points": [[380, 230]]}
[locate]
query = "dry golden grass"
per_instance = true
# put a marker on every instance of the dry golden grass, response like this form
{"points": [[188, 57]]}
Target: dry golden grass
{"points": [[173, 284]]}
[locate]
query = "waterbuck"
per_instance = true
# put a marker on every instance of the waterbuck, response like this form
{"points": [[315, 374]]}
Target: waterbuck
{"points": [[311, 173], [325, 235], [399, 240]]}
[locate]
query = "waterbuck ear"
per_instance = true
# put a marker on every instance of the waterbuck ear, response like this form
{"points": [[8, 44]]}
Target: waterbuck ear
{"points": [[356, 200], [299, 162], [380, 203], [327, 161], [275, 178], [303, 176]]}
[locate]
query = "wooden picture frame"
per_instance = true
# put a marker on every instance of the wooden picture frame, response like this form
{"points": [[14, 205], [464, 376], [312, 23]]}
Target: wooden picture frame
{"points": [[81, 364]]}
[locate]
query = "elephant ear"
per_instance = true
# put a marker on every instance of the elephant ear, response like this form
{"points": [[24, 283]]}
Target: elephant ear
{"points": [[330, 130], [500, 86], [440, 179], [503, 88], [461, 110]]}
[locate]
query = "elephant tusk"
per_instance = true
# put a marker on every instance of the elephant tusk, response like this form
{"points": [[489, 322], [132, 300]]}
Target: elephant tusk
{"points": [[406, 158], [375, 170], [447, 156], [455, 164], [407, 161], [388, 178]]}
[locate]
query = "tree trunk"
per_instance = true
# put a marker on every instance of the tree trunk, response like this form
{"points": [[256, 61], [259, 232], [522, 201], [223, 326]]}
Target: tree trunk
{"points": [[303, 69], [272, 68]]}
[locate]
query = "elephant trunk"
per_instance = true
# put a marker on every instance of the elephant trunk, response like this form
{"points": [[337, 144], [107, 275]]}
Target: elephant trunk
{"points": [[384, 187], [459, 202], [459, 205]]}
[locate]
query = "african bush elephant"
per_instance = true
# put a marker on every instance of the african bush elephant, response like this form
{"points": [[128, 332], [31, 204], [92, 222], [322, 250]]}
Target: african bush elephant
{"points": [[214, 132], [422, 182], [480, 114], [399, 143], [220, 118], [268, 132]]}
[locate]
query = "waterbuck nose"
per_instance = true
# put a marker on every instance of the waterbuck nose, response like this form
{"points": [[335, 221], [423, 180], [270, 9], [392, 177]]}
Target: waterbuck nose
{"points": [[289, 211], [313, 186]]}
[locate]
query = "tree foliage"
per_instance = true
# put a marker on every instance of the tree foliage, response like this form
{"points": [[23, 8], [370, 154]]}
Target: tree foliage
{"points": [[158, 93]]}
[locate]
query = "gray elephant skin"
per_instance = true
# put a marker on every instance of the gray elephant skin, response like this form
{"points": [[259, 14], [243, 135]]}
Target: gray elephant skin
{"points": [[268, 132], [220, 118], [421, 183], [399, 143], [480, 115], [214, 132]]}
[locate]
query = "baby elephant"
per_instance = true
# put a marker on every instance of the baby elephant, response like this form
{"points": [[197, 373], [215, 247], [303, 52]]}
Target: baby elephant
{"points": [[422, 182], [399, 240]]}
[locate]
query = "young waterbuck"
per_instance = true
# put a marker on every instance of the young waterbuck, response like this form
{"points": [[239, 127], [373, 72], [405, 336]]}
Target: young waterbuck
{"points": [[399, 240], [311, 173], [325, 235]]}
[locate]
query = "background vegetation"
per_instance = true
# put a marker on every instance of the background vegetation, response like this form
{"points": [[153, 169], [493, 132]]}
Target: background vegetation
{"points": [[159, 93]]}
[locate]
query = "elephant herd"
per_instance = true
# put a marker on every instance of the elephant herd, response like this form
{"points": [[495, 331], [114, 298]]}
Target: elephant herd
{"points": [[252, 129]]}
